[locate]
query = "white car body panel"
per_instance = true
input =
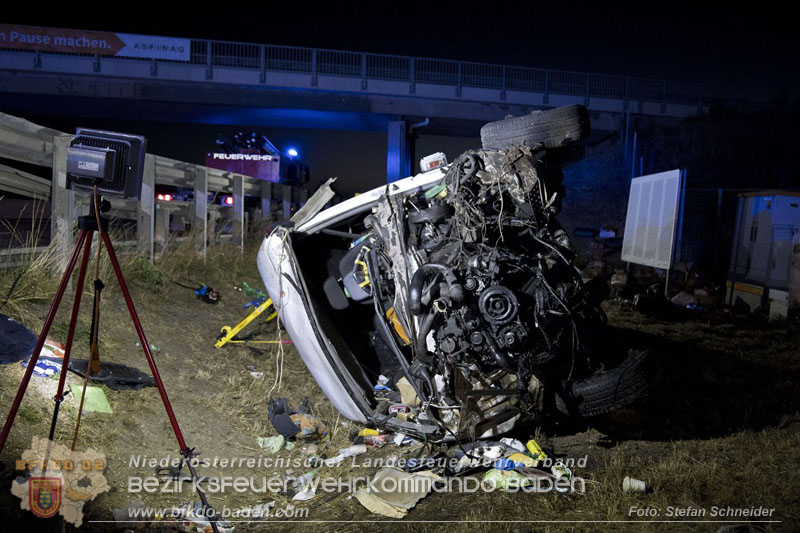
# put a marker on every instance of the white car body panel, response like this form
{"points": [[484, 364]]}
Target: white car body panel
{"points": [[363, 202], [274, 262]]}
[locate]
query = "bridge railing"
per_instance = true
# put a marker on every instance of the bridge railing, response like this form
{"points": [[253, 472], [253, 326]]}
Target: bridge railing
{"points": [[320, 61], [441, 72], [26, 142]]}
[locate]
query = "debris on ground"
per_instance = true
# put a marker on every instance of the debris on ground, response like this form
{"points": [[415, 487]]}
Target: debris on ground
{"points": [[95, 401], [250, 292], [311, 427], [44, 368], [261, 510], [506, 478], [392, 493], [344, 453], [630, 484], [381, 385], [271, 444], [207, 294], [535, 450], [296, 425], [153, 347], [305, 487], [407, 393]]}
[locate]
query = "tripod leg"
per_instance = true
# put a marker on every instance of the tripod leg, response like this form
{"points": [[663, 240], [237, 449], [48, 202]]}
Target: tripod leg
{"points": [[59, 397], [185, 450], [143, 340], [12, 414]]}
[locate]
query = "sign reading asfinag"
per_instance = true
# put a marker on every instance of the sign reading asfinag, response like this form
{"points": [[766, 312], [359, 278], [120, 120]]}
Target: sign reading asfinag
{"points": [[93, 42]]}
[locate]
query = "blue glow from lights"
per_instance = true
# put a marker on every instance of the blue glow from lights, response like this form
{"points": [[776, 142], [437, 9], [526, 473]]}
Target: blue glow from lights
{"points": [[291, 152]]}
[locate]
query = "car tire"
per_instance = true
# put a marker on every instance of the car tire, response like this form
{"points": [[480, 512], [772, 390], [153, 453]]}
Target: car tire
{"points": [[552, 129], [608, 390]]}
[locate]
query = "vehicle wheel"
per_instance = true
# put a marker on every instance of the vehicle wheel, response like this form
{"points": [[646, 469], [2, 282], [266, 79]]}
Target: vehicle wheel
{"points": [[608, 390], [552, 128]]}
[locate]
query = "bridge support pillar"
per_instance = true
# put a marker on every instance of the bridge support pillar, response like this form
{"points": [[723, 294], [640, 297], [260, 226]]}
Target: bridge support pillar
{"points": [[398, 160]]}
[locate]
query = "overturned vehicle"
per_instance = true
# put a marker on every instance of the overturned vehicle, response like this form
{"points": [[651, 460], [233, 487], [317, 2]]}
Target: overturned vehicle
{"points": [[459, 286]]}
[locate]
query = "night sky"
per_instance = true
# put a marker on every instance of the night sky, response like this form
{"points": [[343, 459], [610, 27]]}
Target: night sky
{"points": [[736, 55], [735, 52]]}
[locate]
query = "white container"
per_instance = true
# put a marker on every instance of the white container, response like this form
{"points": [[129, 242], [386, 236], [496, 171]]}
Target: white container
{"points": [[630, 484]]}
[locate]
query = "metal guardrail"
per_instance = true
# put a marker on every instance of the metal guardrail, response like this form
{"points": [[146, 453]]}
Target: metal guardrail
{"points": [[24, 141], [320, 61]]}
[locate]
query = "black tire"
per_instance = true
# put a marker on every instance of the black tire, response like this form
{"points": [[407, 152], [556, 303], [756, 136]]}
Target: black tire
{"points": [[552, 128], [608, 390]]}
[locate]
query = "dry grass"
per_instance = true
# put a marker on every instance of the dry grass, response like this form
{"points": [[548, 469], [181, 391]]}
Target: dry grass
{"points": [[722, 431]]}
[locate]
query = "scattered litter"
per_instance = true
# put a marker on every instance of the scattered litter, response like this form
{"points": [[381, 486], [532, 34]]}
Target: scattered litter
{"points": [[153, 347], [344, 453], [514, 444], [310, 452], [306, 483], [376, 441], [207, 294], [535, 450], [483, 453], [368, 432], [299, 423], [507, 463], [44, 368], [95, 402], [407, 490], [271, 444], [401, 439], [560, 470], [257, 374], [249, 291], [261, 511], [525, 460], [630, 484], [381, 384], [305, 494], [52, 349], [311, 427], [503, 479], [279, 417], [407, 392], [394, 409]]}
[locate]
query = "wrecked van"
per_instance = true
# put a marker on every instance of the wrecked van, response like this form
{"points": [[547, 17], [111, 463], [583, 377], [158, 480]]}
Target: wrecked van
{"points": [[448, 305]]}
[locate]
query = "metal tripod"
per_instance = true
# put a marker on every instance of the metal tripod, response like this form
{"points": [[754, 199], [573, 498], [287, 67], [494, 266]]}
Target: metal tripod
{"points": [[88, 225]]}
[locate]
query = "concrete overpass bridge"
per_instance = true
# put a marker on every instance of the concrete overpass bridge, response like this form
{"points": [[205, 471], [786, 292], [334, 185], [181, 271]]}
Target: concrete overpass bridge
{"points": [[277, 86]]}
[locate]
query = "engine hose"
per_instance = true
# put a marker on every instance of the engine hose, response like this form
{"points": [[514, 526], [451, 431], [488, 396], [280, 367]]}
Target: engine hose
{"points": [[384, 328], [422, 344], [456, 291], [502, 359]]}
